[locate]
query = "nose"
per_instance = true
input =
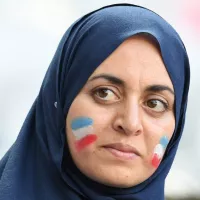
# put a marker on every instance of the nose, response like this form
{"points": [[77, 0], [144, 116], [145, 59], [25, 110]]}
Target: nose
{"points": [[128, 118]]}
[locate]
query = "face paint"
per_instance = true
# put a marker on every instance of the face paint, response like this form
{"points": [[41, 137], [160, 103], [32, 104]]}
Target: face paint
{"points": [[81, 144], [157, 156], [159, 151], [82, 129], [164, 141]]}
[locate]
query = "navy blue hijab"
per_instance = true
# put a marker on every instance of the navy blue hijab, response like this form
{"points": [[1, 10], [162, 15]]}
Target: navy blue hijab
{"points": [[39, 166]]}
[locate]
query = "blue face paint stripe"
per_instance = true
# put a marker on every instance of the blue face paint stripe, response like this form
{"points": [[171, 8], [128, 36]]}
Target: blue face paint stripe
{"points": [[164, 141], [81, 122]]}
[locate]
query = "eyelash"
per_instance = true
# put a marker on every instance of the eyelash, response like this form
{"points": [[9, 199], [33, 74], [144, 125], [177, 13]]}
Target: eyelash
{"points": [[95, 96]]}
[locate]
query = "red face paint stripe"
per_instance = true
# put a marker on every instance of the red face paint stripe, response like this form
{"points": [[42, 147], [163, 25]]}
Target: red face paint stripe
{"points": [[80, 144], [156, 160]]}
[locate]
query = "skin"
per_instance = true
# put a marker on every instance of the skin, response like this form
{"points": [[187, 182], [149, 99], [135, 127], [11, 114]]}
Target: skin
{"points": [[127, 113]]}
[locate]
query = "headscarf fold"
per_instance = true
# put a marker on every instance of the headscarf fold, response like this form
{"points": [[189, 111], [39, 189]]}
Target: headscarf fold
{"points": [[39, 166]]}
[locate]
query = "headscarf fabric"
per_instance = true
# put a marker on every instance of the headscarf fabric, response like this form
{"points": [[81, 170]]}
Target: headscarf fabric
{"points": [[39, 166]]}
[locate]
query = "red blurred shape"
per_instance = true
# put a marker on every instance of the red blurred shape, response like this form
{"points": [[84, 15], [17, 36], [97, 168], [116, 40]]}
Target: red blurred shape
{"points": [[191, 13]]}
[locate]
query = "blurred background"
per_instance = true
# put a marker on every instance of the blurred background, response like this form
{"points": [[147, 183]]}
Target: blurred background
{"points": [[30, 31]]}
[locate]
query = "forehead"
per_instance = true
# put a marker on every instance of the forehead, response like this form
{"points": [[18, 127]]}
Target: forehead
{"points": [[136, 59]]}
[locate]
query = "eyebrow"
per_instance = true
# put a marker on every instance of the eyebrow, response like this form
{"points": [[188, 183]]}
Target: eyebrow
{"points": [[159, 88], [120, 82], [109, 78]]}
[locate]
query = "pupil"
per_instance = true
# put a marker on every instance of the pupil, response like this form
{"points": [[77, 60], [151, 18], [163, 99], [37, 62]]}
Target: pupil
{"points": [[152, 103], [103, 93]]}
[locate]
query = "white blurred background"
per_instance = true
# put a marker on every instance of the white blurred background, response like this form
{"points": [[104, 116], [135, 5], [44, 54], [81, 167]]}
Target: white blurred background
{"points": [[30, 31]]}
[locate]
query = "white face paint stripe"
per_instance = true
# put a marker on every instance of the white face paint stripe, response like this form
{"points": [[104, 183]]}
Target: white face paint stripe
{"points": [[82, 132], [159, 150]]}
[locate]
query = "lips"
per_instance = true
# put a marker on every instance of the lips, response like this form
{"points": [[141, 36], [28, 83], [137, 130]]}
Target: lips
{"points": [[122, 150]]}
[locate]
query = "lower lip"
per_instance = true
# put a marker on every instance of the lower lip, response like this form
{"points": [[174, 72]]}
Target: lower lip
{"points": [[120, 154]]}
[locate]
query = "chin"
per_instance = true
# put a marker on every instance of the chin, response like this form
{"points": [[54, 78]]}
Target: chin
{"points": [[117, 179], [119, 183]]}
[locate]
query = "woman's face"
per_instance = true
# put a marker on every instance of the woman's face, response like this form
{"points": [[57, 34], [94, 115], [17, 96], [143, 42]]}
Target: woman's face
{"points": [[120, 123]]}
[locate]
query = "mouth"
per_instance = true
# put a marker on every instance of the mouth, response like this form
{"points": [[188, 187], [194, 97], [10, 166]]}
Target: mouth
{"points": [[123, 151]]}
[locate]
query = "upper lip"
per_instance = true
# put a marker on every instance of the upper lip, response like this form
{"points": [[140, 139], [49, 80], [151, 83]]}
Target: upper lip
{"points": [[123, 147]]}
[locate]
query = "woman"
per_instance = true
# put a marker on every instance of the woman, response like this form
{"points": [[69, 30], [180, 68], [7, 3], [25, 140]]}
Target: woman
{"points": [[110, 113]]}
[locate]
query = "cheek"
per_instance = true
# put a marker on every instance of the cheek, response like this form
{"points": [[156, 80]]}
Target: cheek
{"points": [[159, 151], [164, 125], [85, 141], [158, 134], [83, 132]]}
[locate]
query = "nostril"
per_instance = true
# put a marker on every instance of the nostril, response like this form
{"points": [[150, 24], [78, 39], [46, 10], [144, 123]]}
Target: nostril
{"points": [[120, 127]]}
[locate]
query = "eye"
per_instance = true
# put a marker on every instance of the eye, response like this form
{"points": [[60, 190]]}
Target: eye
{"points": [[105, 94], [157, 105]]}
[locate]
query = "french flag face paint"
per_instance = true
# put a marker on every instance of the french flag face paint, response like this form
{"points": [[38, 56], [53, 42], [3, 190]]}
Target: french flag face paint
{"points": [[159, 151], [82, 128]]}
